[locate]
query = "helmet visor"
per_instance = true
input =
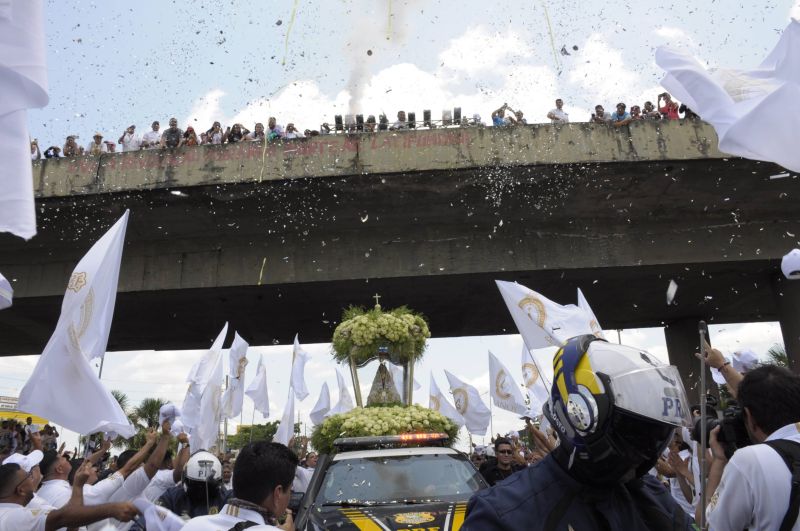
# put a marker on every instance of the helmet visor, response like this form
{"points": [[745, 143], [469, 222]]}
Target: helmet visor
{"points": [[655, 393]]}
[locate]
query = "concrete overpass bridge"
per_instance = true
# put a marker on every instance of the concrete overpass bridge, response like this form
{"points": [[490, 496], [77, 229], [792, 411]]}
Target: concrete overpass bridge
{"points": [[280, 238]]}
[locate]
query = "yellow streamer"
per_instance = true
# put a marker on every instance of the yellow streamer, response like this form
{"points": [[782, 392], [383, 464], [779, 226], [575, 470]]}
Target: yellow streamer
{"points": [[552, 39], [288, 31], [261, 273]]}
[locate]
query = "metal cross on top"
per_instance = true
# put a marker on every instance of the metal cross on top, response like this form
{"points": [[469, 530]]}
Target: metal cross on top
{"points": [[377, 299]]}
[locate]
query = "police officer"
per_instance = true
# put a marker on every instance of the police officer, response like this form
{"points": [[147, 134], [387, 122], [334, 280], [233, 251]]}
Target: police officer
{"points": [[201, 491], [615, 409]]}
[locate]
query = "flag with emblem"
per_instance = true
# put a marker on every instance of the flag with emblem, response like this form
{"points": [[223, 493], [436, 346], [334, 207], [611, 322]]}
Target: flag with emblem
{"points": [[258, 389], [199, 376], [594, 324], [345, 402], [23, 85], [285, 430], [504, 391], [6, 293], [438, 402], [322, 406], [542, 322], [469, 405], [537, 377], [299, 360], [63, 386], [748, 108], [233, 397]]}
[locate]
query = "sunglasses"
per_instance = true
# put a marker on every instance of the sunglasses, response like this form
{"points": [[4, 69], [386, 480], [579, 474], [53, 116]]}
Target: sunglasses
{"points": [[505, 452]]}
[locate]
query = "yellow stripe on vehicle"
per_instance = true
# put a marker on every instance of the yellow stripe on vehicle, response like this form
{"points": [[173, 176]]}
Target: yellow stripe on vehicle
{"points": [[360, 520], [458, 516]]}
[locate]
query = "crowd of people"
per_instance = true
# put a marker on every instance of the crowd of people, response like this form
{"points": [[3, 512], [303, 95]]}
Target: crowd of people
{"points": [[15, 437], [594, 467], [174, 137]]}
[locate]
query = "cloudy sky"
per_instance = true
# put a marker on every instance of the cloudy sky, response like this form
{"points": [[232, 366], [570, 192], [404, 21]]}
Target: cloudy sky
{"points": [[113, 64]]}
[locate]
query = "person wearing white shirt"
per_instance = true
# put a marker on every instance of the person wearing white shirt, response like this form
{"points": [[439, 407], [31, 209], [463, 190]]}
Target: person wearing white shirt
{"points": [[18, 482], [751, 489], [129, 140], [558, 115], [262, 480], [97, 146], [152, 138], [170, 473]]}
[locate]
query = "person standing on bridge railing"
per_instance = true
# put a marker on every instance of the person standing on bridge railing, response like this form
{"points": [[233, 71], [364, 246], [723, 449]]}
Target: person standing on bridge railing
{"points": [[96, 147], [129, 140], [173, 136], [152, 138], [557, 115]]}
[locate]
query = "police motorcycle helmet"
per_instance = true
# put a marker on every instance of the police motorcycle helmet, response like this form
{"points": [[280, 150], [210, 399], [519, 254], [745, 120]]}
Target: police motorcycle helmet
{"points": [[614, 408], [202, 471]]}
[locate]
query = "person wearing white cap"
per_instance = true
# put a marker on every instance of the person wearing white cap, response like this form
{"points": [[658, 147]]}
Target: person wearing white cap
{"points": [[17, 486]]}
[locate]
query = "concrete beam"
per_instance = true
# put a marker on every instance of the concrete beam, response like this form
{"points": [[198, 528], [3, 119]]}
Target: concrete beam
{"points": [[787, 298]]}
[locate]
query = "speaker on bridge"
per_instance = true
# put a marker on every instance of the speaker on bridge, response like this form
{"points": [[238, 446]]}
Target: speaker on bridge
{"points": [[412, 120], [426, 118], [359, 122], [383, 123], [339, 124], [457, 115]]}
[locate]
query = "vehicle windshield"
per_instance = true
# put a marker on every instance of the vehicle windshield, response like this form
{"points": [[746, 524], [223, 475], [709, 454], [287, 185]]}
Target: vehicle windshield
{"points": [[387, 479]]}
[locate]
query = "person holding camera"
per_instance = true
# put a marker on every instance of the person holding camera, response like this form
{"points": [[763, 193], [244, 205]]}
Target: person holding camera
{"points": [[759, 486], [669, 111]]}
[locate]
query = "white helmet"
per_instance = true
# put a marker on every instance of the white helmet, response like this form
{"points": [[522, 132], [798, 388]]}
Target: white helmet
{"points": [[203, 466]]}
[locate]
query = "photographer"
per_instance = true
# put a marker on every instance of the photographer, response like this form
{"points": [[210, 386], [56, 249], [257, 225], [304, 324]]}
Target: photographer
{"points": [[754, 488]]}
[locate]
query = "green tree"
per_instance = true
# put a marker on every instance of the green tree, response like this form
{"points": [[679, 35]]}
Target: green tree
{"points": [[777, 355], [260, 432], [122, 399]]}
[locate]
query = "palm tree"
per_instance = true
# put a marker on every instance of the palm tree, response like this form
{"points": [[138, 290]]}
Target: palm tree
{"points": [[145, 415], [122, 400], [777, 355]]}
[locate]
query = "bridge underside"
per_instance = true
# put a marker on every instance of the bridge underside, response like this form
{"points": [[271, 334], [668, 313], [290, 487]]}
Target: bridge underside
{"points": [[276, 258], [457, 305]]}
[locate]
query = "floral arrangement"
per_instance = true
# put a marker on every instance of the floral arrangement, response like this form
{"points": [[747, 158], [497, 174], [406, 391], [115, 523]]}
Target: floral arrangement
{"points": [[362, 333], [384, 420]]}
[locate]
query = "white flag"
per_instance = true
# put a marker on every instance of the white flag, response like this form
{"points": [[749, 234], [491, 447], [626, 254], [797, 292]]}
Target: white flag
{"points": [[468, 403], [397, 378], [542, 322], [199, 376], [158, 518], [206, 430], [322, 406], [537, 376], [594, 324], [285, 430], [345, 402], [438, 402], [233, 397], [258, 389], [23, 85], [6, 293], [63, 387], [748, 109], [504, 390], [299, 360]]}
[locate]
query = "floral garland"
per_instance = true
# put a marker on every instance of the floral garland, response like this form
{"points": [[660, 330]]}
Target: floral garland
{"points": [[362, 333], [384, 420]]}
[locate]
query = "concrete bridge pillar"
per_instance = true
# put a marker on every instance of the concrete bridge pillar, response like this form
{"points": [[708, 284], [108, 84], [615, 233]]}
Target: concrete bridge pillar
{"points": [[683, 340], [787, 299]]}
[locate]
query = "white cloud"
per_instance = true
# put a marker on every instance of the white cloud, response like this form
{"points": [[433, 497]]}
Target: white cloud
{"points": [[602, 72], [794, 11], [479, 51]]}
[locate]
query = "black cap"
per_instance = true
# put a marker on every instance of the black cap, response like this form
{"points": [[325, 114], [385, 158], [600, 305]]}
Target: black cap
{"points": [[48, 460]]}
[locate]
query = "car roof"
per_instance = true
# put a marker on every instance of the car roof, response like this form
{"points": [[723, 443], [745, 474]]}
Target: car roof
{"points": [[394, 452]]}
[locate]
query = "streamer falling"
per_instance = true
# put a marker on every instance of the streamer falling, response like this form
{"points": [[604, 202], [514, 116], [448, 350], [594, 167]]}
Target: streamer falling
{"points": [[552, 39], [288, 32], [389, 23]]}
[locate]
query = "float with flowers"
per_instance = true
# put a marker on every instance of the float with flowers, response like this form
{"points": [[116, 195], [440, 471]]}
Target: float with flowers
{"points": [[397, 337]]}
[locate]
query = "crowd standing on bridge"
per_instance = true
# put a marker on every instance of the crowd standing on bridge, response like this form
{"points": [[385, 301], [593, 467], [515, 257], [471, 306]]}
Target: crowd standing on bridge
{"points": [[174, 136]]}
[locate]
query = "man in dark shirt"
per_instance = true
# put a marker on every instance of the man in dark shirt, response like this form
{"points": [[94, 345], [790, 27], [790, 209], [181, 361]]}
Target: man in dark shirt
{"points": [[505, 465], [172, 137]]}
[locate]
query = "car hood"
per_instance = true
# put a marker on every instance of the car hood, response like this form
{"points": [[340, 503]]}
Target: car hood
{"points": [[440, 516]]}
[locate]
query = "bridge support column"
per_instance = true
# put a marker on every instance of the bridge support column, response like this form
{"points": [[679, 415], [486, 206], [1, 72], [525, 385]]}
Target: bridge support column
{"points": [[787, 298], [683, 340]]}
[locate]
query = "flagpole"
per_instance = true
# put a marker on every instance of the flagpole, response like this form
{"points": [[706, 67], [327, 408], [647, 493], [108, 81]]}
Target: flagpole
{"points": [[225, 424], [252, 423], [541, 373], [100, 373], [491, 415]]}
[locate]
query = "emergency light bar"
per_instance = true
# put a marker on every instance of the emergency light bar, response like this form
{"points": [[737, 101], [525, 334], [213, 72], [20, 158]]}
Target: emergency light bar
{"points": [[390, 440]]}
